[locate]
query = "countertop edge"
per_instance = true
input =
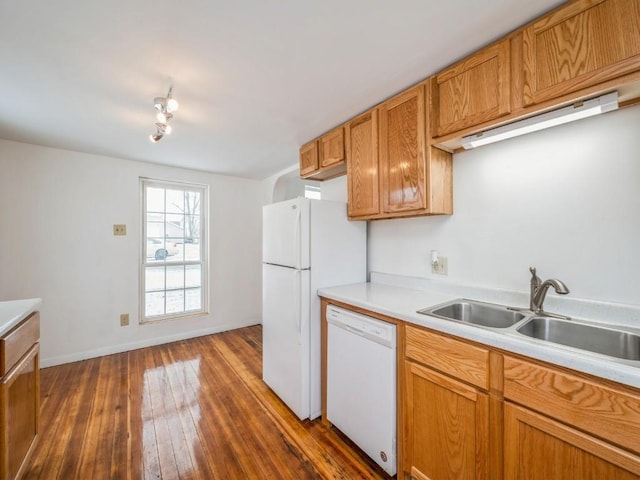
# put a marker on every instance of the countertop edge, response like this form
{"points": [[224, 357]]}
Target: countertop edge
{"points": [[379, 298], [12, 312]]}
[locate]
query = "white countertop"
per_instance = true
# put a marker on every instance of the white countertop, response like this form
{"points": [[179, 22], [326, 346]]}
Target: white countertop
{"points": [[14, 311], [401, 297]]}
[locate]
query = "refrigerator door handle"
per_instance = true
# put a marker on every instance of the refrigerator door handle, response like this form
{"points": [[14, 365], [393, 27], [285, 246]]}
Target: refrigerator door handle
{"points": [[297, 240], [297, 279]]}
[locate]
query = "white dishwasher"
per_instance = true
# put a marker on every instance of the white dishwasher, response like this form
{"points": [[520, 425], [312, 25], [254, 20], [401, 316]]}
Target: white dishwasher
{"points": [[361, 382]]}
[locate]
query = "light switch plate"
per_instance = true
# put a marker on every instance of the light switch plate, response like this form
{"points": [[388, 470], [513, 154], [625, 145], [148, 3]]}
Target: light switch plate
{"points": [[119, 229], [124, 319]]}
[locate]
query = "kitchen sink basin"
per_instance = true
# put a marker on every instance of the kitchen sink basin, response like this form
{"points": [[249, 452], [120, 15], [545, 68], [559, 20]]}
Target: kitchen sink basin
{"points": [[606, 341], [476, 313]]}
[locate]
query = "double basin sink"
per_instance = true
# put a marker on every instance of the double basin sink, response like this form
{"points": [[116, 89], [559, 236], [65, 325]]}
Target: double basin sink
{"points": [[596, 339]]}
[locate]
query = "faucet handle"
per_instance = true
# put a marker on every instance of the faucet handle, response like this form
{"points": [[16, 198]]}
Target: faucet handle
{"points": [[535, 280]]}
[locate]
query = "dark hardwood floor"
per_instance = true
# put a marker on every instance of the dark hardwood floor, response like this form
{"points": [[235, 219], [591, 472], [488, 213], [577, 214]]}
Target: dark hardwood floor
{"points": [[194, 409]]}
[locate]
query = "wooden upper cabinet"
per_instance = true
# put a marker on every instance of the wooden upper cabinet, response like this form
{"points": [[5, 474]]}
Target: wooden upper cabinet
{"points": [[473, 91], [324, 157], [309, 158], [585, 43], [362, 165], [331, 147], [402, 152]]}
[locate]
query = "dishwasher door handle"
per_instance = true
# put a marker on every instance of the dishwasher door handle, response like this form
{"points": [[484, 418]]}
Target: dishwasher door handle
{"points": [[355, 330]]}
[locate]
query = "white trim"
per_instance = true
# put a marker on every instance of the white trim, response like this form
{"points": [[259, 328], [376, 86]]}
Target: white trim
{"points": [[100, 352], [203, 242]]}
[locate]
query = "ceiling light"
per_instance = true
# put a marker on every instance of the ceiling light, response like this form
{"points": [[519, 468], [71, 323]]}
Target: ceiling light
{"points": [[172, 105], [165, 107], [578, 110]]}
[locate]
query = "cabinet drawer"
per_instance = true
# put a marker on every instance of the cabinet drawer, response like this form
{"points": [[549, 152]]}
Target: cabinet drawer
{"points": [[18, 341], [459, 359], [600, 409]]}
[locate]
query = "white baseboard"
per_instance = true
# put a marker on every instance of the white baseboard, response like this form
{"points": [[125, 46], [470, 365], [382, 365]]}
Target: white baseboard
{"points": [[150, 342]]}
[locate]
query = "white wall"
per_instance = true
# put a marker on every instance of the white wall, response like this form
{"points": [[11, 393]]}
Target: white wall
{"points": [[566, 200], [57, 209]]}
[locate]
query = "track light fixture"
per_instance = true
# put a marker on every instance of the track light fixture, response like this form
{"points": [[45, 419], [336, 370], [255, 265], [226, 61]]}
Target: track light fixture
{"points": [[166, 106]]}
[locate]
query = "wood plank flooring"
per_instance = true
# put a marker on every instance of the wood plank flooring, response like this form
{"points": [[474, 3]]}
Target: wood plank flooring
{"points": [[195, 409]]}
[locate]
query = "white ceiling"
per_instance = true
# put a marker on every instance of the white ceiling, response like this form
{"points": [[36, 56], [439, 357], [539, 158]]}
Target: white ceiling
{"points": [[255, 78]]}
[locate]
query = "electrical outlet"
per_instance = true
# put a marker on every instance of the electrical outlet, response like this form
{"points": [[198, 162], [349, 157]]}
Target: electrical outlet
{"points": [[124, 319], [119, 229], [440, 268]]}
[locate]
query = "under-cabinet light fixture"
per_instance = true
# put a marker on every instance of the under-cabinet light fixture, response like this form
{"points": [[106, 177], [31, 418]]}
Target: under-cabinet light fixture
{"points": [[578, 110]]}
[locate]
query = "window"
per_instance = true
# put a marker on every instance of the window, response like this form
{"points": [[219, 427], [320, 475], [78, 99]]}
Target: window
{"points": [[173, 269], [312, 191]]}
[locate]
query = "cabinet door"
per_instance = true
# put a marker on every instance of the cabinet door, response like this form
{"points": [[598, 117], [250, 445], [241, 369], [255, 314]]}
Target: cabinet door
{"points": [[538, 448], [331, 148], [583, 44], [402, 152], [362, 165], [473, 91], [19, 409], [309, 158], [446, 427]]}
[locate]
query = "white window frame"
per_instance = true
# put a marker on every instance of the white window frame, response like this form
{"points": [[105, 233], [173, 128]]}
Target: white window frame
{"points": [[203, 244]]}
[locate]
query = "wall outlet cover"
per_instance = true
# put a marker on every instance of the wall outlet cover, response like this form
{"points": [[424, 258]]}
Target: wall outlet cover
{"points": [[119, 229], [124, 319], [440, 268]]}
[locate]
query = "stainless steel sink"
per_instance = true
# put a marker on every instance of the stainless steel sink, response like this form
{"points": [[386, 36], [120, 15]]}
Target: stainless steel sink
{"points": [[606, 341], [475, 313]]}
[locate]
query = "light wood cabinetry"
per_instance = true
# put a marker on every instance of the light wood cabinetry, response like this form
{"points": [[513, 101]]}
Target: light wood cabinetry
{"points": [[331, 148], [447, 427], [402, 152], [391, 172], [19, 396], [362, 165], [584, 43], [446, 412], [539, 448], [590, 429], [309, 159], [324, 157], [473, 91]]}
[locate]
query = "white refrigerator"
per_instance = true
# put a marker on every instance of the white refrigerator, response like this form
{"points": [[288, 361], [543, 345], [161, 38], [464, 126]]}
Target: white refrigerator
{"points": [[306, 245]]}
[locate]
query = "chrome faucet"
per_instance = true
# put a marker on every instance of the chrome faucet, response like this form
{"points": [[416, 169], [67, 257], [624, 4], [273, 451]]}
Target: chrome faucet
{"points": [[539, 292]]}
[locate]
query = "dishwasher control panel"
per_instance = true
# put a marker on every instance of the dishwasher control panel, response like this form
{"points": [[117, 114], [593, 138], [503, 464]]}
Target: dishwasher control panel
{"points": [[371, 328]]}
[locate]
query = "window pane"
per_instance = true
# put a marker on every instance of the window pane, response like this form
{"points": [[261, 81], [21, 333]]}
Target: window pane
{"points": [[155, 199], [193, 277], [175, 277], [154, 304], [155, 225], [175, 225], [192, 228], [193, 299], [175, 201], [154, 279], [175, 301], [192, 203], [192, 252]]}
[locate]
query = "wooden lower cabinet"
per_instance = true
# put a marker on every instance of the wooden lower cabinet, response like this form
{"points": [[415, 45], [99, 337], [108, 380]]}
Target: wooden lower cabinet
{"points": [[446, 427], [19, 396], [539, 448]]}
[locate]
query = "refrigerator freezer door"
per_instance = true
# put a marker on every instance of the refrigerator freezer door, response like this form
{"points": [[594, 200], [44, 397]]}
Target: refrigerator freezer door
{"points": [[285, 318], [285, 233]]}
